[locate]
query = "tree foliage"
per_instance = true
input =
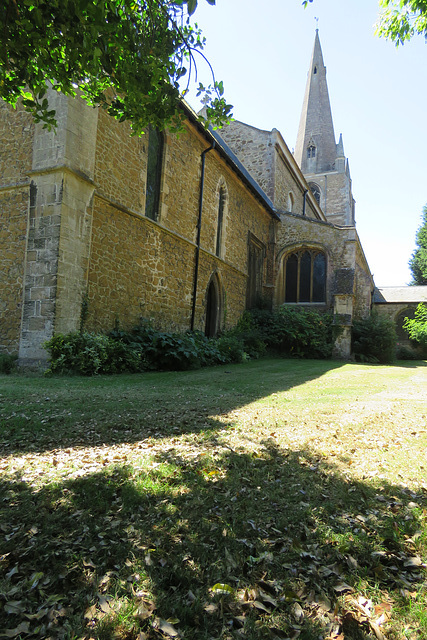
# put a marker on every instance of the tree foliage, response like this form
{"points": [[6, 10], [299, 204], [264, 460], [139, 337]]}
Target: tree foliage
{"points": [[374, 339], [402, 19], [399, 19], [418, 262], [127, 56], [417, 327]]}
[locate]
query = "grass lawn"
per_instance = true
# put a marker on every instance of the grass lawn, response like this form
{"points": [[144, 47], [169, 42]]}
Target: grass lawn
{"points": [[274, 499]]}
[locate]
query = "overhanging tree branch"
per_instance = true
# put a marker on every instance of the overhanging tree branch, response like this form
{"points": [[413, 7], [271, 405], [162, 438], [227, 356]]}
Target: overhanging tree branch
{"points": [[126, 56]]}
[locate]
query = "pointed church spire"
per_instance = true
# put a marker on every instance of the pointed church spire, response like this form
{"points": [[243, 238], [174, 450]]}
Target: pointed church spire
{"points": [[315, 149], [340, 148]]}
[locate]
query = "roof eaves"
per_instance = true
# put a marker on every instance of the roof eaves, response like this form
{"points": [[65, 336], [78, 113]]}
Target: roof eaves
{"points": [[232, 160]]}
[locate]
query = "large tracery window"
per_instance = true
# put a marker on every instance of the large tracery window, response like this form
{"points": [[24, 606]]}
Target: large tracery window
{"points": [[305, 276]]}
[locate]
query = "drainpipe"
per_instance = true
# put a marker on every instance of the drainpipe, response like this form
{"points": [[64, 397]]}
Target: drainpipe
{"points": [[199, 229], [303, 202]]}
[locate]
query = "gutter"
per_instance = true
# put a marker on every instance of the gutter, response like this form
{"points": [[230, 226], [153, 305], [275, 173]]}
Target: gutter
{"points": [[199, 229], [304, 201]]}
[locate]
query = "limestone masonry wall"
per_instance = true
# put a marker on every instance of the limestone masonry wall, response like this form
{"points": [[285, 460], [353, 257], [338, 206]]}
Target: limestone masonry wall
{"points": [[287, 187], [13, 234], [267, 158], [335, 196], [144, 268], [364, 285], [16, 135], [255, 150], [120, 163], [73, 224]]}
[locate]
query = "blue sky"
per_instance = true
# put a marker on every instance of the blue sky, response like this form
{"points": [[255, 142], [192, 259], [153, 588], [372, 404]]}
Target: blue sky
{"points": [[378, 94]]}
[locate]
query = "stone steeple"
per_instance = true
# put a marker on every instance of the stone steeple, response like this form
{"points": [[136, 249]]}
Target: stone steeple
{"points": [[316, 147], [320, 158]]}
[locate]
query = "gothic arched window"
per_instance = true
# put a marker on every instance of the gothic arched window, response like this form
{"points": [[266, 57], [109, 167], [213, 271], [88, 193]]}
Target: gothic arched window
{"points": [[315, 190], [311, 151], [154, 173], [220, 221], [305, 276]]}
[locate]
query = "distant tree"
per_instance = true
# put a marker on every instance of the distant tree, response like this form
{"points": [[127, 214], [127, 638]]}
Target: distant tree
{"points": [[399, 19], [418, 262], [127, 56], [417, 327]]}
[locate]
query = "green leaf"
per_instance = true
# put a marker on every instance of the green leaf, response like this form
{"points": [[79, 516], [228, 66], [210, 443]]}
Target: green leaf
{"points": [[191, 6], [106, 50], [221, 588]]}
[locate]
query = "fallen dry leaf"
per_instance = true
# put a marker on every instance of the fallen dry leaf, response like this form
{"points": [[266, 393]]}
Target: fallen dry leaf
{"points": [[342, 587], [166, 627], [378, 633], [24, 627]]}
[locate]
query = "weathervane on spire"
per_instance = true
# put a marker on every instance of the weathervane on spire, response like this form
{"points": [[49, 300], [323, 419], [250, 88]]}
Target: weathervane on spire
{"points": [[317, 23]]}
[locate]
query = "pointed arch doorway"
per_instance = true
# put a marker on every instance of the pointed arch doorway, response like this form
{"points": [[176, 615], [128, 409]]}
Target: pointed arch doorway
{"points": [[212, 307]]}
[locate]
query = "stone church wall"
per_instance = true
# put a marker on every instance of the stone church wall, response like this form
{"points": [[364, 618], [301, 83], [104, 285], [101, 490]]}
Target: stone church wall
{"points": [[16, 136], [73, 224], [290, 189], [144, 268], [255, 149], [364, 285], [345, 276], [73, 227], [267, 158], [13, 233], [335, 196]]}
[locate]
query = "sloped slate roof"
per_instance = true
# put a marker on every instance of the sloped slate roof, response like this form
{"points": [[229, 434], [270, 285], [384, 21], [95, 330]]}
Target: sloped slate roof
{"points": [[232, 160], [384, 295]]}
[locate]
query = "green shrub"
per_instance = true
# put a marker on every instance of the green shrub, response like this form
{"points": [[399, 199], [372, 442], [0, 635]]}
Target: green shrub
{"points": [[7, 363], [83, 353], [124, 357], [173, 351], [417, 327], [231, 348], [374, 339], [88, 353], [295, 332], [246, 330], [406, 353], [208, 351], [292, 332], [170, 351]]}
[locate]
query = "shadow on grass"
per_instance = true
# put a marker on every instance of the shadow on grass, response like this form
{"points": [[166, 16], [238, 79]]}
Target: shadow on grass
{"points": [[41, 414], [138, 550]]}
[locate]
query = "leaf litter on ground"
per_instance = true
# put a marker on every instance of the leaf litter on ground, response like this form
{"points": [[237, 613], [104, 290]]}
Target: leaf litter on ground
{"points": [[289, 509]]}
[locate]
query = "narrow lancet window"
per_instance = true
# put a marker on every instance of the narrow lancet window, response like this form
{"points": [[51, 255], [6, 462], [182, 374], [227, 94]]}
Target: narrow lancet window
{"points": [[154, 173], [219, 231]]}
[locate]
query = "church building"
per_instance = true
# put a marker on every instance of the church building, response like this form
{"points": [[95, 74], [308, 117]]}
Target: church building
{"points": [[188, 230]]}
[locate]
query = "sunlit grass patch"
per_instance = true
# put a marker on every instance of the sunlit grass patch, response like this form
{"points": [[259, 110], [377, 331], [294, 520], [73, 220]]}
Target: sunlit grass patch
{"points": [[298, 485]]}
